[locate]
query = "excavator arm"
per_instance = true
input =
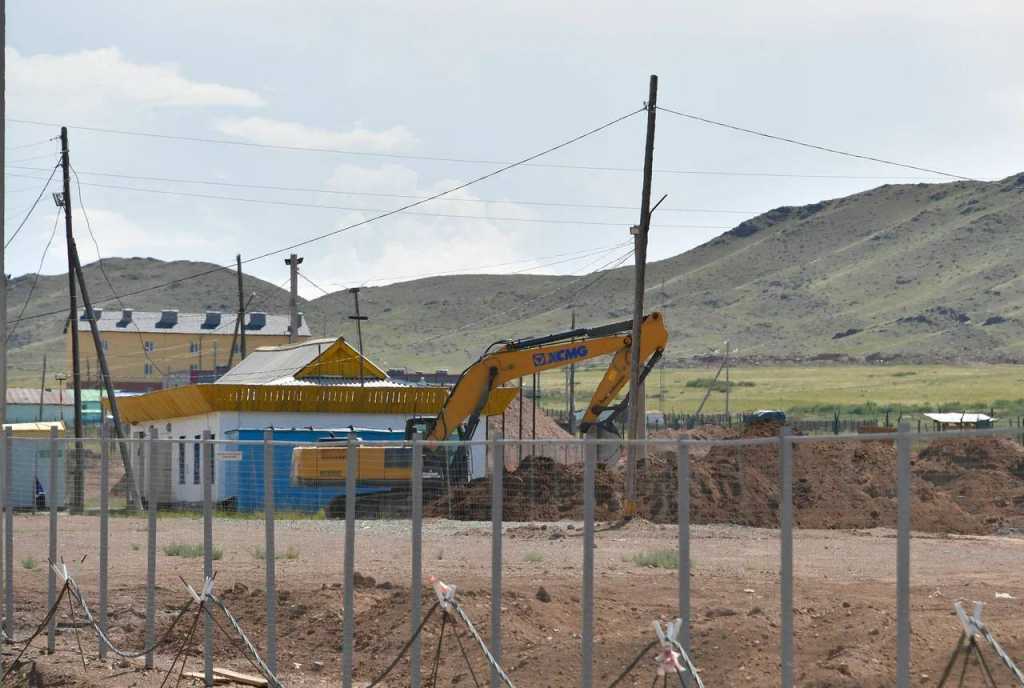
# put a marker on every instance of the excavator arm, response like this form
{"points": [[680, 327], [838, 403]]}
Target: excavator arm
{"points": [[522, 357]]}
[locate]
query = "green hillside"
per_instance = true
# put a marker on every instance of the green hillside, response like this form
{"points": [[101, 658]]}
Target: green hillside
{"points": [[912, 273]]}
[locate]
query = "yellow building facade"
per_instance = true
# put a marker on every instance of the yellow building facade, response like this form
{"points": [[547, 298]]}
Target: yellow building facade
{"points": [[145, 348]]}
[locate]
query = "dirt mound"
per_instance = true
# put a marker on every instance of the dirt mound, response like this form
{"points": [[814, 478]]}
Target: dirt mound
{"points": [[541, 489], [537, 425], [985, 476]]}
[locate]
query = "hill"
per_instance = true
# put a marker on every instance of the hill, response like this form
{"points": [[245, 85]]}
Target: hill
{"points": [[912, 272]]}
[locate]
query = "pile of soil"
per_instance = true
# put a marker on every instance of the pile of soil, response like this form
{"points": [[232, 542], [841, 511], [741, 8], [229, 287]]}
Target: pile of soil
{"points": [[535, 426], [541, 489], [985, 476]]}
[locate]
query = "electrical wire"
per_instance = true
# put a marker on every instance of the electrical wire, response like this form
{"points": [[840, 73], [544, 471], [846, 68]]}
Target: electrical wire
{"points": [[103, 270], [231, 267], [35, 279], [813, 146], [322, 206], [340, 192], [427, 158], [29, 145], [32, 207]]}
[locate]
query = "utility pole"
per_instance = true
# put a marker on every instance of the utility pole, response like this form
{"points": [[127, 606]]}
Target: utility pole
{"points": [[359, 318], [75, 271], [293, 263], [42, 390], [640, 252], [3, 210], [572, 382], [241, 311], [77, 475]]}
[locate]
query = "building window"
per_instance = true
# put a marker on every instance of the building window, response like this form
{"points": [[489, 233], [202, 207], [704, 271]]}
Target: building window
{"points": [[149, 347], [196, 460], [181, 461], [147, 369], [193, 347]]}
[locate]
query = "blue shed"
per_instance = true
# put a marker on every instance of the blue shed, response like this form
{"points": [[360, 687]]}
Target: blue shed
{"points": [[243, 478]]}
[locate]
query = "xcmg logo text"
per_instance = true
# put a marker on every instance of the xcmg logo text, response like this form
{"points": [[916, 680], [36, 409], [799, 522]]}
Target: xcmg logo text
{"points": [[569, 354]]}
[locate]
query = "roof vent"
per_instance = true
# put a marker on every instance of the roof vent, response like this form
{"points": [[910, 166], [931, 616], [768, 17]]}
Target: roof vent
{"points": [[257, 320], [126, 317], [212, 321], [96, 312], [168, 318]]}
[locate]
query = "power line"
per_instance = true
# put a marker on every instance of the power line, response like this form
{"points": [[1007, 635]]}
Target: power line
{"points": [[339, 192], [35, 279], [34, 143], [826, 149], [32, 207], [381, 216], [430, 158], [450, 216]]}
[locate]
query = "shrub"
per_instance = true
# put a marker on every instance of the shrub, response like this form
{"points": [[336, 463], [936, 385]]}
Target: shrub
{"points": [[657, 559], [28, 563], [534, 557], [178, 549]]}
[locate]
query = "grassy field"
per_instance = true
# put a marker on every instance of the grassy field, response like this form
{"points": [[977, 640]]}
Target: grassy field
{"points": [[815, 391]]}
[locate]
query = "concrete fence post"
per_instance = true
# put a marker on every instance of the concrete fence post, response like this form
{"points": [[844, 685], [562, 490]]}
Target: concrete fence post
{"points": [[348, 630], [903, 556], [416, 584], [587, 597], [8, 503], [497, 509], [207, 480], [149, 461], [270, 549], [51, 499], [104, 562], [683, 516], [786, 555]]}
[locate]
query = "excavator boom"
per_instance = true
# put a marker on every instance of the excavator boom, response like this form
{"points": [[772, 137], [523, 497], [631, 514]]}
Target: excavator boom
{"points": [[523, 357]]}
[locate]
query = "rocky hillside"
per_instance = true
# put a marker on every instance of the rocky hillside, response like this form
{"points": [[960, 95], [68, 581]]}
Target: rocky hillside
{"points": [[922, 272]]}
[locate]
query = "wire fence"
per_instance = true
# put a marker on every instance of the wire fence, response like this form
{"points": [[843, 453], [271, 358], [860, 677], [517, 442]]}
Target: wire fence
{"points": [[787, 557]]}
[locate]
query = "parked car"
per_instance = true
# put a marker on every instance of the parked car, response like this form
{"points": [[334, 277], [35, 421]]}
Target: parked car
{"points": [[767, 416]]}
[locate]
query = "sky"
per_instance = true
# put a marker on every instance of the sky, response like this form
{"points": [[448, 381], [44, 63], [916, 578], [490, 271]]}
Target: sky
{"points": [[386, 84]]}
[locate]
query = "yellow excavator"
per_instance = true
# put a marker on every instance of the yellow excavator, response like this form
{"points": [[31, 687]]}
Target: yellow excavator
{"points": [[501, 363]]}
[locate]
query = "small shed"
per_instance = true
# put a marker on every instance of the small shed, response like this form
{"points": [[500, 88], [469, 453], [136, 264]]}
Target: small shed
{"points": [[25, 405], [961, 420], [30, 452]]}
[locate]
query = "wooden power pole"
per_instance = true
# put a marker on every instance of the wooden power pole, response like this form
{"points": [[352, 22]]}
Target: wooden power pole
{"points": [[572, 383], [636, 406], [359, 318], [42, 390], [77, 474], [75, 273], [241, 311]]}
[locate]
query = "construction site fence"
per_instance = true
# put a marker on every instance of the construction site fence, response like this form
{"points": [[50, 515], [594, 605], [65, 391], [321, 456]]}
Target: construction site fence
{"points": [[503, 483]]}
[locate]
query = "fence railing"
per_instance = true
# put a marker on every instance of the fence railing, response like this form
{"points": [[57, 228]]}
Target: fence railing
{"points": [[250, 484]]}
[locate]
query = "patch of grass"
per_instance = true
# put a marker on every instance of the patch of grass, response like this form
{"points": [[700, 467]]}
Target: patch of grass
{"points": [[534, 557], [28, 563], [656, 559], [136, 547], [904, 373], [291, 553], [187, 551]]}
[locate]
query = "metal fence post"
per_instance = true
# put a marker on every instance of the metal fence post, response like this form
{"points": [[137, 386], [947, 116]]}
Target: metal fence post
{"points": [[903, 557], [51, 578], [416, 585], [207, 479], [8, 533], [351, 473], [497, 507], [786, 555], [587, 632], [683, 507], [149, 458], [270, 551], [104, 529]]}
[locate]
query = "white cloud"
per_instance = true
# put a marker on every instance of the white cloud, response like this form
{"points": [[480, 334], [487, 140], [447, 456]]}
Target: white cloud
{"points": [[277, 132], [104, 77]]}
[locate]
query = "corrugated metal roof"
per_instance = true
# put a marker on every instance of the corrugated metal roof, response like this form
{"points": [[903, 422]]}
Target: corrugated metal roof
{"points": [[38, 428], [113, 320], [302, 363], [24, 395]]}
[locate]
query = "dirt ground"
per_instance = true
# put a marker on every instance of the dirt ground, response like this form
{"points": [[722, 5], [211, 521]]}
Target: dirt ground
{"points": [[845, 599]]}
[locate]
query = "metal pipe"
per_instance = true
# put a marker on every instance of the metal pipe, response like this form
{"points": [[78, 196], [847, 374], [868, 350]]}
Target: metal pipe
{"points": [[786, 556], [351, 473], [207, 480], [903, 557], [51, 578], [416, 584], [587, 632], [149, 451], [497, 507], [104, 563], [683, 453], [269, 548]]}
